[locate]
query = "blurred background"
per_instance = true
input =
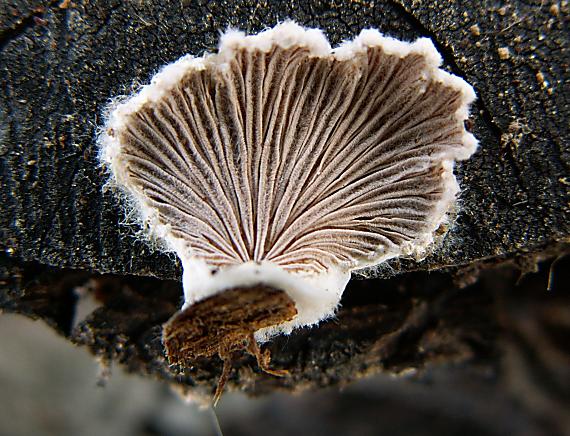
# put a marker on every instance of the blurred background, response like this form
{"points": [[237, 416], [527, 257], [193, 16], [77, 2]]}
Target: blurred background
{"points": [[51, 387]]}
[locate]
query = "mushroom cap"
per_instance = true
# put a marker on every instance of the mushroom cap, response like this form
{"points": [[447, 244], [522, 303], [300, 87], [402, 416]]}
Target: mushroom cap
{"points": [[280, 160]]}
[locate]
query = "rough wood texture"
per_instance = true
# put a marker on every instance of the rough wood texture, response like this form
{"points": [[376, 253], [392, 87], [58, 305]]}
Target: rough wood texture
{"points": [[60, 65]]}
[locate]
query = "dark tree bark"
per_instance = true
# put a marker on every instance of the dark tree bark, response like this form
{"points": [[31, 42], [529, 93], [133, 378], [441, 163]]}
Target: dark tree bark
{"points": [[61, 62]]}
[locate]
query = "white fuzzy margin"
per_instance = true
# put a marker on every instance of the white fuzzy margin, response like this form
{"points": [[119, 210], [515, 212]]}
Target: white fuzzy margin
{"points": [[316, 297]]}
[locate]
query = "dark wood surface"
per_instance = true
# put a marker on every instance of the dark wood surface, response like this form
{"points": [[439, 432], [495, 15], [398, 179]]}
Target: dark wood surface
{"points": [[59, 68], [59, 229]]}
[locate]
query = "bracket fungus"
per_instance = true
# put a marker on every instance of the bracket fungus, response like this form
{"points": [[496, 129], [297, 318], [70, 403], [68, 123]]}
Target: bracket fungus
{"points": [[278, 165]]}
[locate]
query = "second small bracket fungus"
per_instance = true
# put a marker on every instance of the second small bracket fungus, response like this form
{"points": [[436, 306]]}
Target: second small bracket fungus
{"points": [[278, 165]]}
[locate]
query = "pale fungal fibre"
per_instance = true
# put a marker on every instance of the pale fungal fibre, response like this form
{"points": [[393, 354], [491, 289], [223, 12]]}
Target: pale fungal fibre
{"points": [[282, 161]]}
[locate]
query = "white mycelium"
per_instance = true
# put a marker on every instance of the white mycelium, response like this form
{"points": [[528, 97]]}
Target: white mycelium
{"points": [[282, 161]]}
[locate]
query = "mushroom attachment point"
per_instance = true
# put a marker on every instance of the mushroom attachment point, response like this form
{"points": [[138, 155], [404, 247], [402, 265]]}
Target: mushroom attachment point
{"points": [[277, 166]]}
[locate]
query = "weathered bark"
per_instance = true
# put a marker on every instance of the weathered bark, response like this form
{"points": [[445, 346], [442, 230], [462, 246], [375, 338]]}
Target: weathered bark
{"points": [[59, 65]]}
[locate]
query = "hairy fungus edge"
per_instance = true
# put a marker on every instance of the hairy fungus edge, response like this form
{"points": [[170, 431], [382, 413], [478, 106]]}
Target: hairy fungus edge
{"points": [[198, 280]]}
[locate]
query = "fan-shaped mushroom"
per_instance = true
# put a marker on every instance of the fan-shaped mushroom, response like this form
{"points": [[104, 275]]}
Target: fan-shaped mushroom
{"points": [[277, 166]]}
